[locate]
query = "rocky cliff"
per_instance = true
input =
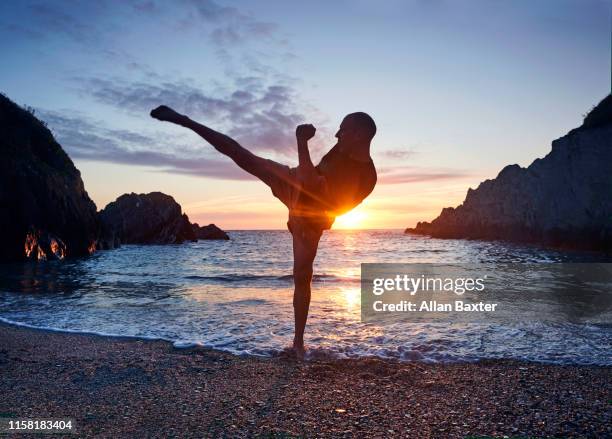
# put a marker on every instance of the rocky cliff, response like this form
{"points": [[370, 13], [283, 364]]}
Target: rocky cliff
{"points": [[45, 212], [561, 200], [153, 218]]}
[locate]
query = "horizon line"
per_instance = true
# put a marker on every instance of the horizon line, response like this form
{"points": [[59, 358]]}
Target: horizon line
{"points": [[329, 230]]}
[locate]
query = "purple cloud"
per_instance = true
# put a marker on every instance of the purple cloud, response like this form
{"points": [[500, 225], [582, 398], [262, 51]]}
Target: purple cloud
{"points": [[86, 140], [413, 174], [232, 26], [261, 117]]}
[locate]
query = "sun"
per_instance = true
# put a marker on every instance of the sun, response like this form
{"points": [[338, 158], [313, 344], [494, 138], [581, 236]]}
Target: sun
{"points": [[350, 220]]}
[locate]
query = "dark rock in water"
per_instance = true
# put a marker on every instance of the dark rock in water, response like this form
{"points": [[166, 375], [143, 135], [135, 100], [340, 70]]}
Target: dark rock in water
{"points": [[153, 218], [45, 212], [562, 200], [109, 238], [209, 232]]}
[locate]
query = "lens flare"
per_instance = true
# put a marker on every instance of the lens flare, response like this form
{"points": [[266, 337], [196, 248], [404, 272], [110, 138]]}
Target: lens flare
{"points": [[350, 220]]}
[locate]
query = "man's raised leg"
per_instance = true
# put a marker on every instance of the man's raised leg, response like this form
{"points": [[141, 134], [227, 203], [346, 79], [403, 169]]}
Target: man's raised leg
{"points": [[261, 168]]}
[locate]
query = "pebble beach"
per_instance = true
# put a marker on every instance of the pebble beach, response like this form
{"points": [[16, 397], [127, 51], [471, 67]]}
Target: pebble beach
{"points": [[125, 387]]}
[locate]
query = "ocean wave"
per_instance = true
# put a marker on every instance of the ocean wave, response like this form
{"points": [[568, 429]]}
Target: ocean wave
{"points": [[288, 278], [83, 332], [427, 352]]}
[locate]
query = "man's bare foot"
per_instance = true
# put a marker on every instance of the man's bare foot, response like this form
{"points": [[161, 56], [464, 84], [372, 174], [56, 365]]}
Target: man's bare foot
{"points": [[166, 114], [287, 352], [299, 350], [293, 352]]}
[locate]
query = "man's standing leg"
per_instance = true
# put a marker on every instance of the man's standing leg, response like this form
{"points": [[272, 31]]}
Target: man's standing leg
{"points": [[305, 244], [305, 235]]}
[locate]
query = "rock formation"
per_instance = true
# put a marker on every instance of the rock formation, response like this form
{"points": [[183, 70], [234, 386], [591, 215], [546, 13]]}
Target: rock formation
{"points": [[45, 212], [561, 200], [210, 231], [153, 218]]}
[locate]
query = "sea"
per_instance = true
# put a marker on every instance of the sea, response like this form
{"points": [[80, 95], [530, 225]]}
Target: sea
{"points": [[236, 296]]}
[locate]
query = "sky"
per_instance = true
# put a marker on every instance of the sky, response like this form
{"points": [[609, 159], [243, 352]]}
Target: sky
{"points": [[458, 89]]}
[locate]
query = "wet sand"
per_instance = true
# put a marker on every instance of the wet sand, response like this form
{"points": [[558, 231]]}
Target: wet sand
{"points": [[117, 387]]}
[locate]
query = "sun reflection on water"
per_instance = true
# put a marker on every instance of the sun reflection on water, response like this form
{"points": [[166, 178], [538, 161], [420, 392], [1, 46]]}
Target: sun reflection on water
{"points": [[352, 298]]}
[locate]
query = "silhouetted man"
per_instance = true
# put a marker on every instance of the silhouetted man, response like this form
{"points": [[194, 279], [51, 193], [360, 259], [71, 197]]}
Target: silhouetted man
{"points": [[314, 195]]}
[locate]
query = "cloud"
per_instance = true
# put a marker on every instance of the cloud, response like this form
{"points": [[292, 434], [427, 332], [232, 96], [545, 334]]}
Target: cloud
{"points": [[52, 19], [260, 116], [86, 140], [98, 26], [26, 31], [397, 154], [232, 26], [144, 6], [413, 174], [81, 24]]}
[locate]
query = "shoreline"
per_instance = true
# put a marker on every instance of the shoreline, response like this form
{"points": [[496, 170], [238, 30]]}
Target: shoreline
{"points": [[125, 386], [328, 358]]}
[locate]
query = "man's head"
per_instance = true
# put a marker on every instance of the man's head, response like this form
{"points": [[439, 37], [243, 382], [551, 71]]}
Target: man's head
{"points": [[356, 128]]}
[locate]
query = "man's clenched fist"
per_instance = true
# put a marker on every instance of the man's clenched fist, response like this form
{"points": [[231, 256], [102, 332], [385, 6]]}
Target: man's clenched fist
{"points": [[305, 132]]}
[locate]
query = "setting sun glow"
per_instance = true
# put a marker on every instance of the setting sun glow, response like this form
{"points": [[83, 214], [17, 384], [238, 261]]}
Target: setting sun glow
{"points": [[350, 220]]}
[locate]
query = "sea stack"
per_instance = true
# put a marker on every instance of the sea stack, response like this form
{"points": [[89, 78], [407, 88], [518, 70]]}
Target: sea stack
{"points": [[210, 231], [45, 212], [153, 218], [561, 200]]}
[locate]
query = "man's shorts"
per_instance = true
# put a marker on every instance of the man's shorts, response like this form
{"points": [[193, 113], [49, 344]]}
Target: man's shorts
{"points": [[304, 218]]}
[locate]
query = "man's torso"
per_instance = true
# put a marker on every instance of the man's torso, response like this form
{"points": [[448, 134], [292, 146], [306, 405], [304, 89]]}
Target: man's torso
{"points": [[349, 182]]}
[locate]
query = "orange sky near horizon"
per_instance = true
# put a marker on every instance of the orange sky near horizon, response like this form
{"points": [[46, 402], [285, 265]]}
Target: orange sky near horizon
{"points": [[249, 204]]}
